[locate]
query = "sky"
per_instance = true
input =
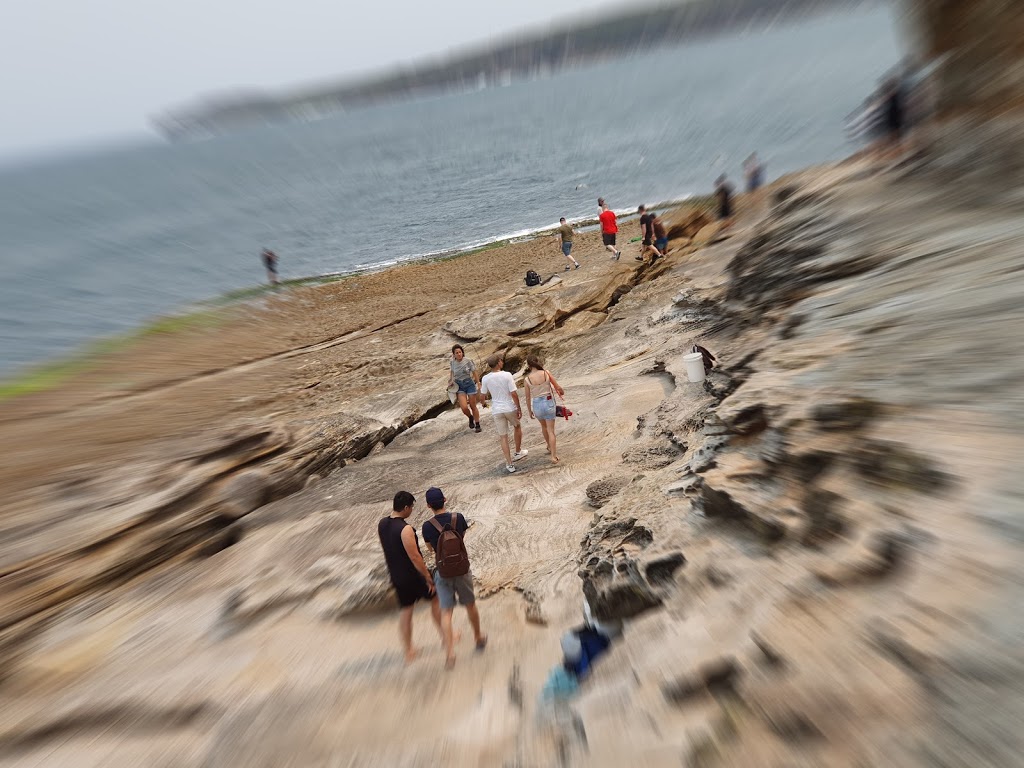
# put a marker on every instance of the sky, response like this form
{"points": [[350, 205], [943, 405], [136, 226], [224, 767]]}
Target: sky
{"points": [[84, 71]]}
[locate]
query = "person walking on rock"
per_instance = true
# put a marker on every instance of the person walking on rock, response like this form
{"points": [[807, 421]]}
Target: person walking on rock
{"points": [[452, 575], [464, 376], [660, 235], [647, 233], [505, 408], [565, 233], [409, 575], [541, 388], [609, 228]]}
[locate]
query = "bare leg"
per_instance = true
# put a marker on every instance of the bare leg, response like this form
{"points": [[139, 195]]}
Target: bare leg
{"points": [[474, 621], [449, 640], [551, 441], [518, 435], [472, 405], [611, 249], [435, 614], [405, 632], [505, 450], [464, 405]]}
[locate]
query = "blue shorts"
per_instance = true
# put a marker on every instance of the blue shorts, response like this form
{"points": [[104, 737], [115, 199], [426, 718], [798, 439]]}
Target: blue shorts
{"points": [[544, 408], [661, 244], [566, 248], [467, 387], [448, 589]]}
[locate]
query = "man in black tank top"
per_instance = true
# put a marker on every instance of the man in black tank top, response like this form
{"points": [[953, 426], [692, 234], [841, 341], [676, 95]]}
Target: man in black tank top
{"points": [[409, 575]]}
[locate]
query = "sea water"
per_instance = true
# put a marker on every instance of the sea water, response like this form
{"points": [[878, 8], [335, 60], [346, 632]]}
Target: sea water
{"points": [[95, 245]]}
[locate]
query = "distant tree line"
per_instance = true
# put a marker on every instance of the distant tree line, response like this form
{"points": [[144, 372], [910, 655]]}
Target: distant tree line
{"points": [[501, 62]]}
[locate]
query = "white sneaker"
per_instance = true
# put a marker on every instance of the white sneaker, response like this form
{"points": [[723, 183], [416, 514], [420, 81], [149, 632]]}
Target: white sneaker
{"points": [[510, 468], [519, 454]]}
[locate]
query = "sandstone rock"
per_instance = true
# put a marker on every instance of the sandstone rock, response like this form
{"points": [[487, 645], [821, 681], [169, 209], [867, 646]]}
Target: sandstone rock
{"points": [[243, 492], [621, 594], [688, 224], [889, 463], [687, 486], [747, 505], [771, 656], [521, 314], [855, 413], [334, 587], [871, 559], [653, 454], [600, 491], [662, 570], [713, 676]]}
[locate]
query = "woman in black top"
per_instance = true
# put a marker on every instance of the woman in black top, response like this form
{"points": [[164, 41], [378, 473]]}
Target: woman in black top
{"points": [[409, 575]]}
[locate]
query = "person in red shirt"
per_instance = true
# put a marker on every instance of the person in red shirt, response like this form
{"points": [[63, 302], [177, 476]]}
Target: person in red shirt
{"points": [[608, 228]]}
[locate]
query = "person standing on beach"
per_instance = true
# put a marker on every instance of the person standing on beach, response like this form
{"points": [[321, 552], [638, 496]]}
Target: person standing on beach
{"points": [[647, 233], [565, 233], [409, 575], [541, 388], [464, 376], [270, 264], [505, 408], [609, 229], [450, 588], [660, 236]]}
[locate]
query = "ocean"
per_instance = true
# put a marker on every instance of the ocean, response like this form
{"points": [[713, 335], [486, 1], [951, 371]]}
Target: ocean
{"points": [[96, 245]]}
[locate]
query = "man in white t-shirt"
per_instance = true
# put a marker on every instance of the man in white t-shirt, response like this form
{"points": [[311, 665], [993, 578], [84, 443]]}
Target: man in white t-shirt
{"points": [[505, 408]]}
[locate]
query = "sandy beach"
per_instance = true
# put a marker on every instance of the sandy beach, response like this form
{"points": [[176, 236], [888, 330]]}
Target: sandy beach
{"points": [[810, 549]]}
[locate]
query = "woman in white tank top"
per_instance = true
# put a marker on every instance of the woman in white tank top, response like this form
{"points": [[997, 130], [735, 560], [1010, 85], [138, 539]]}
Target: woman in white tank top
{"points": [[541, 388]]}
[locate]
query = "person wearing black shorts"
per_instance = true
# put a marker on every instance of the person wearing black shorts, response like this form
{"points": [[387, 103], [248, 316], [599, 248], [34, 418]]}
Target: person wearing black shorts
{"points": [[409, 575], [609, 228], [647, 234]]}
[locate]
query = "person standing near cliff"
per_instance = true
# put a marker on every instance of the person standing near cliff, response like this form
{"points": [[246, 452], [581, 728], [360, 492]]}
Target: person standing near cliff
{"points": [[270, 264], [565, 234], [409, 575], [609, 228], [465, 378], [753, 171], [647, 235], [444, 533], [505, 409]]}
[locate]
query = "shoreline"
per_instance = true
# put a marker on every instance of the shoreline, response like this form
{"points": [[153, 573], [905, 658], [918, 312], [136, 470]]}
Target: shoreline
{"points": [[49, 373]]}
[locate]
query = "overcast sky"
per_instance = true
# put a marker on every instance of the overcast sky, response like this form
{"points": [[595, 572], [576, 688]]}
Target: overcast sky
{"points": [[77, 71]]}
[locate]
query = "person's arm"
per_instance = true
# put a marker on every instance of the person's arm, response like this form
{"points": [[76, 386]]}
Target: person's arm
{"points": [[413, 551], [515, 399], [558, 389], [529, 400]]}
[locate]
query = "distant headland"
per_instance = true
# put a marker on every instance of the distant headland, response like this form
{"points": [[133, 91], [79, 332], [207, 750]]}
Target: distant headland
{"points": [[492, 64]]}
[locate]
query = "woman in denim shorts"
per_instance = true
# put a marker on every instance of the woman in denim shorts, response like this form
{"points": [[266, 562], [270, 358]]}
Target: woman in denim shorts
{"points": [[541, 388], [464, 376]]}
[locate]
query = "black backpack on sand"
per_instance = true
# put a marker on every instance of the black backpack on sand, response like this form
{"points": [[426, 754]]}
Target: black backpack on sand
{"points": [[450, 554], [532, 278]]}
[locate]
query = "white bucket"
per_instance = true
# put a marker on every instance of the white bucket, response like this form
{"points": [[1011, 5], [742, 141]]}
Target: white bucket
{"points": [[694, 363]]}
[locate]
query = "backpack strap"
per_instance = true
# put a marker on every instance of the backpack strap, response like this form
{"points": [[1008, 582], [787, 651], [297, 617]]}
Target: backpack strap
{"points": [[437, 525]]}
